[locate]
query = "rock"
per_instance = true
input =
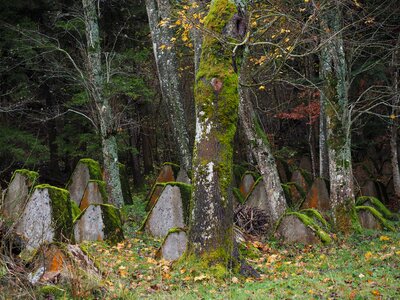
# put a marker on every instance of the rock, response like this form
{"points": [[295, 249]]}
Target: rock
{"points": [[283, 170], [305, 164], [64, 264], [86, 169], [97, 222], [47, 217], [18, 193], [166, 174], [318, 196], [183, 177], [300, 181], [246, 184], [174, 245], [368, 221], [167, 212], [291, 230], [369, 189], [258, 197]]}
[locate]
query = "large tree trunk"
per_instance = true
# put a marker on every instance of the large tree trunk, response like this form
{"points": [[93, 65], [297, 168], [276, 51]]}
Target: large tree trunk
{"points": [[216, 102], [338, 121], [395, 123], [261, 150], [167, 68], [102, 105]]}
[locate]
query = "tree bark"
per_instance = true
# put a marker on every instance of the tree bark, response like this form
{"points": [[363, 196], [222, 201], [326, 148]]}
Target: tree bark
{"points": [[216, 103], [338, 120], [167, 68], [395, 123], [325, 69], [102, 105], [261, 150]]}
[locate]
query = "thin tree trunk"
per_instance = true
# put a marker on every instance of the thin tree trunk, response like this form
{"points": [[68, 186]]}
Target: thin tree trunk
{"points": [[216, 102], [338, 123], [102, 105], [395, 123], [261, 150], [325, 69], [167, 68]]}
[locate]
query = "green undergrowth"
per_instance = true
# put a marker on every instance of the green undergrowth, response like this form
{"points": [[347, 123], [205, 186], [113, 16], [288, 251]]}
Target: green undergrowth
{"points": [[377, 204]]}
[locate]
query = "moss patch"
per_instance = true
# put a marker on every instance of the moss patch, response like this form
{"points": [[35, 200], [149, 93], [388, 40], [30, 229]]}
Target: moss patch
{"points": [[112, 223], [32, 176], [315, 214], [238, 195], [384, 222], [94, 168], [378, 205], [62, 211]]}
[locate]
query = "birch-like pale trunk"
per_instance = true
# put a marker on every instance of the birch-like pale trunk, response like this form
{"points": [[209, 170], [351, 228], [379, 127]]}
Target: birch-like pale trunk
{"points": [[260, 149], [167, 67], [102, 105], [395, 122], [325, 69], [338, 119], [216, 103]]}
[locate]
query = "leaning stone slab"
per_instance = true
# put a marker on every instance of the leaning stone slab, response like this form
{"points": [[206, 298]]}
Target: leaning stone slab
{"points": [[95, 193], [371, 218], [99, 222], [174, 245], [257, 197], [300, 184], [296, 227], [86, 169], [318, 196], [183, 177], [167, 212], [17, 194], [47, 217], [246, 184]]}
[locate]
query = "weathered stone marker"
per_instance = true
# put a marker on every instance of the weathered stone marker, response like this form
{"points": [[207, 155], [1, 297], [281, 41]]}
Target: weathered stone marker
{"points": [[318, 196], [98, 220], [174, 245], [18, 193], [246, 184], [258, 197], [86, 169], [47, 217], [167, 212]]}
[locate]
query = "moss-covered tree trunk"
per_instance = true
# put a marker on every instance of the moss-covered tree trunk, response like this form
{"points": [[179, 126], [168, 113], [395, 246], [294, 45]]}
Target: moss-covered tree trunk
{"points": [[338, 119], [216, 102], [94, 85], [162, 36], [260, 149]]}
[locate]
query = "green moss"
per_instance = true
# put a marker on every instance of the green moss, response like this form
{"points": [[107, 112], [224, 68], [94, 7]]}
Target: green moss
{"points": [[94, 168], [31, 175], [112, 223], [175, 167], [310, 223], [314, 214], [346, 218], [287, 188], [382, 220], [377, 205], [260, 132], [62, 211], [75, 210], [50, 292]]}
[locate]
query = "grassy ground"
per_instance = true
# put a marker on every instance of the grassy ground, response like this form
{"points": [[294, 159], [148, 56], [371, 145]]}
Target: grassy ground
{"points": [[363, 266]]}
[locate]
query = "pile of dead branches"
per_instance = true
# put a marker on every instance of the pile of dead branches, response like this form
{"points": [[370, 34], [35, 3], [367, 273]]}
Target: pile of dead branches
{"points": [[251, 220]]}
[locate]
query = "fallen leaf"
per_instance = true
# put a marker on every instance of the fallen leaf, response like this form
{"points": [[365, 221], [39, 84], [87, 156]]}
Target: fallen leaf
{"points": [[384, 238], [235, 280]]}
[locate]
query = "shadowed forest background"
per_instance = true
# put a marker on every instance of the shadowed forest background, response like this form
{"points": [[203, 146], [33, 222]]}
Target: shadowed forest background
{"points": [[274, 124]]}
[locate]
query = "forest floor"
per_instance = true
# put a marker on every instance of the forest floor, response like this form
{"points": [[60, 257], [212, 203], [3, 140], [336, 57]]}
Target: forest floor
{"points": [[362, 266]]}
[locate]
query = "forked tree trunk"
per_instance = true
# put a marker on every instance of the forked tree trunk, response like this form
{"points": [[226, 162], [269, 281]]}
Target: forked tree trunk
{"points": [[338, 120], [102, 105], [216, 103], [261, 150], [167, 67], [395, 123]]}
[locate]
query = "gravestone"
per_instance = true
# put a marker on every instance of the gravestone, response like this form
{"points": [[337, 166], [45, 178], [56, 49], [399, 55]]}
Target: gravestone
{"points": [[18, 193], [298, 178], [167, 212], [369, 189], [258, 197], [95, 193], [367, 220], [46, 218], [318, 196], [86, 169], [166, 175], [183, 177], [291, 230], [174, 245]]}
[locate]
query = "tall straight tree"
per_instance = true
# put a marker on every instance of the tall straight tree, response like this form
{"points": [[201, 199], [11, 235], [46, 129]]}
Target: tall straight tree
{"points": [[94, 86], [338, 117], [216, 102], [159, 14]]}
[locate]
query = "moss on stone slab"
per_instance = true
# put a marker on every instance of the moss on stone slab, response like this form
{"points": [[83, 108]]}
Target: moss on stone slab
{"points": [[112, 223], [175, 167], [94, 168], [310, 223], [238, 195], [61, 212], [315, 214], [378, 205], [32, 176], [381, 219]]}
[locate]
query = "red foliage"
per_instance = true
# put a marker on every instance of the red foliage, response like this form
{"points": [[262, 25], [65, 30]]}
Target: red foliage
{"points": [[309, 112]]}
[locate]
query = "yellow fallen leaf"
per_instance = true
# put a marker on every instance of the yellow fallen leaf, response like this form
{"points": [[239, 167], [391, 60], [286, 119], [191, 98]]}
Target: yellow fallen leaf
{"points": [[200, 277], [384, 238], [368, 255], [375, 293], [261, 87], [122, 271], [235, 280]]}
